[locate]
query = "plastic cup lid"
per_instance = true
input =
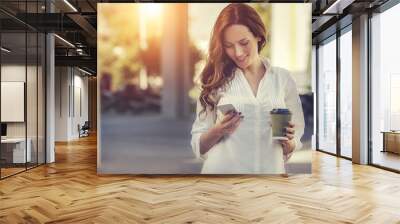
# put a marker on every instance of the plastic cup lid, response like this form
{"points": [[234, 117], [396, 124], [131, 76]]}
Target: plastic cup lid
{"points": [[280, 111]]}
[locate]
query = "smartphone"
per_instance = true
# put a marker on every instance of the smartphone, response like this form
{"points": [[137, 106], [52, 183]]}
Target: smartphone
{"points": [[225, 108]]}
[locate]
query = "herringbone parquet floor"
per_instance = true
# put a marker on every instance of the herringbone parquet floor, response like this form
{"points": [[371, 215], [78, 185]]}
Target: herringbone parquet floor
{"points": [[70, 191]]}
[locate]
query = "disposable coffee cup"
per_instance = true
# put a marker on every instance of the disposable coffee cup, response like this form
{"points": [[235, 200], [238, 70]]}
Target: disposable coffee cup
{"points": [[280, 118]]}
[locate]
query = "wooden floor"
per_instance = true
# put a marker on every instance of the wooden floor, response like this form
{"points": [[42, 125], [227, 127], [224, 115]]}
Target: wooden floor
{"points": [[8, 171], [69, 191], [5, 172]]}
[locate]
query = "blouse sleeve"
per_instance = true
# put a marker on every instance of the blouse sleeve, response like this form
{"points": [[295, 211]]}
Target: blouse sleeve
{"points": [[202, 124], [293, 103]]}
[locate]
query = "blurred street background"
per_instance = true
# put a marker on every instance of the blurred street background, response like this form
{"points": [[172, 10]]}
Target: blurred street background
{"points": [[150, 57]]}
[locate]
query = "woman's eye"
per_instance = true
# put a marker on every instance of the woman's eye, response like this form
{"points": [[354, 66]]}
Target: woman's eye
{"points": [[227, 46], [244, 43]]}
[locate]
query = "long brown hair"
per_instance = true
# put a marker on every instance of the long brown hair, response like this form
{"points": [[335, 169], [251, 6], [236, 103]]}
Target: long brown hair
{"points": [[219, 68]]}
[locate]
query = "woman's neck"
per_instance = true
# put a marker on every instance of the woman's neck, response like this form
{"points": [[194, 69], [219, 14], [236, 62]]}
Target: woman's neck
{"points": [[256, 69]]}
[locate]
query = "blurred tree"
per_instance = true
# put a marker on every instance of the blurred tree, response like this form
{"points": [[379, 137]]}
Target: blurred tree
{"points": [[151, 57], [196, 55], [118, 46]]}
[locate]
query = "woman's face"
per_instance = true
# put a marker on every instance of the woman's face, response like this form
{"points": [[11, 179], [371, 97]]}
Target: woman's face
{"points": [[240, 45]]}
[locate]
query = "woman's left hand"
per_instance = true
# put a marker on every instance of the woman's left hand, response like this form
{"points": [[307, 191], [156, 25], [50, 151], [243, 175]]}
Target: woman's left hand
{"points": [[289, 145]]}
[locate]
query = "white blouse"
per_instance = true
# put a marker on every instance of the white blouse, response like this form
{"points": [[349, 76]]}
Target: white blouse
{"points": [[250, 149]]}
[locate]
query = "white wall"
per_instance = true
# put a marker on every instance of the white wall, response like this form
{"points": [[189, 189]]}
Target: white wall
{"points": [[62, 81], [33, 126], [16, 73], [13, 73], [71, 94], [79, 115]]}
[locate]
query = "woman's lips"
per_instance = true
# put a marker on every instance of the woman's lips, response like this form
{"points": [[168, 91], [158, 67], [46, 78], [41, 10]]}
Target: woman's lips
{"points": [[242, 60]]}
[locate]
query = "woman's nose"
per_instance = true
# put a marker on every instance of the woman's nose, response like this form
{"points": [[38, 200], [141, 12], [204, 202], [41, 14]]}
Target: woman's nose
{"points": [[238, 52]]}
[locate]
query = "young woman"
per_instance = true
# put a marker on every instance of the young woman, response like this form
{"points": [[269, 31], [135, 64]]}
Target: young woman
{"points": [[235, 73]]}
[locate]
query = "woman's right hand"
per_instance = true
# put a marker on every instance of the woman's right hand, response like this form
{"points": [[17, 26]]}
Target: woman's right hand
{"points": [[227, 126], [229, 123]]}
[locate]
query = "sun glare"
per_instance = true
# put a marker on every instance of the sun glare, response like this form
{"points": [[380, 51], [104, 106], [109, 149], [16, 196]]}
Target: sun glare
{"points": [[150, 10], [150, 21]]}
